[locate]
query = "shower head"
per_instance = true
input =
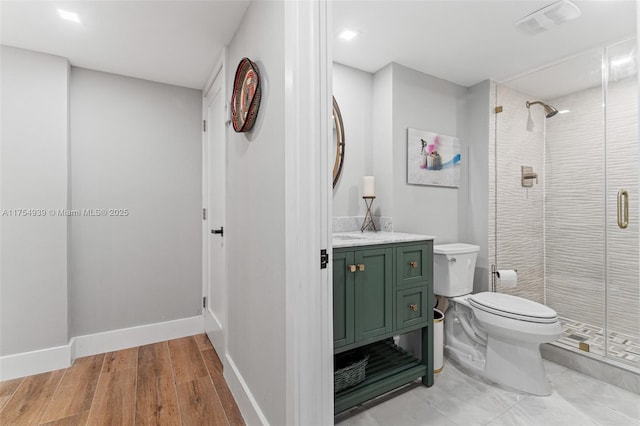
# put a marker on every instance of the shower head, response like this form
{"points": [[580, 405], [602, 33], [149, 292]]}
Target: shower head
{"points": [[549, 111]]}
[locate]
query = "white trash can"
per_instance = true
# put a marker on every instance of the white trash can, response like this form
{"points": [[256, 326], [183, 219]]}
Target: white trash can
{"points": [[438, 340]]}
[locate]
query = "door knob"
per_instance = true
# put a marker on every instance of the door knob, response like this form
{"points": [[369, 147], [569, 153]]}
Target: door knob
{"points": [[351, 268], [361, 267], [414, 265], [413, 307]]}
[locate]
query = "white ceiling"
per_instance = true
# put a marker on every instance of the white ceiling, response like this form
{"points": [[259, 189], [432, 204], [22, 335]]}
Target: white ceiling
{"points": [[173, 42], [466, 42], [177, 42]]}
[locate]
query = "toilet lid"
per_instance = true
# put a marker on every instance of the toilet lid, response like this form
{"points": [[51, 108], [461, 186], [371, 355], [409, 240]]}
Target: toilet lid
{"points": [[513, 307]]}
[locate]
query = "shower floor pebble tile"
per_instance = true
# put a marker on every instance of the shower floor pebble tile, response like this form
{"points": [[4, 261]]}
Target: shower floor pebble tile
{"points": [[620, 346], [460, 399]]}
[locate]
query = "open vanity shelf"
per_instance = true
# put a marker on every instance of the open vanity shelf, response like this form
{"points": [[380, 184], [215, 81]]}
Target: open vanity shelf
{"points": [[382, 287], [389, 367]]}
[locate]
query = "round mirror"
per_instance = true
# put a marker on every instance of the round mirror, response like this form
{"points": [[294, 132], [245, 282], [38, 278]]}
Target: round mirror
{"points": [[338, 142]]}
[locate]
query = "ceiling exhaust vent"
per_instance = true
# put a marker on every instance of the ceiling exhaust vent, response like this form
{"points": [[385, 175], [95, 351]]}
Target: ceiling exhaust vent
{"points": [[548, 17]]}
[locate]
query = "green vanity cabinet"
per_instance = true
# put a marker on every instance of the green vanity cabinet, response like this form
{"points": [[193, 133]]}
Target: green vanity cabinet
{"points": [[373, 293], [362, 295], [380, 291], [343, 294], [414, 294]]}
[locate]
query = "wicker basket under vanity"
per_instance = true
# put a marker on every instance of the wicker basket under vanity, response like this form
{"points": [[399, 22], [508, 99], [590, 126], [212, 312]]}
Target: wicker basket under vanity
{"points": [[353, 372]]}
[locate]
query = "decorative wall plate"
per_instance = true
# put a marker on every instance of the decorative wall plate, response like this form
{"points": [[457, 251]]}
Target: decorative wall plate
{"points": [[247, 92]]}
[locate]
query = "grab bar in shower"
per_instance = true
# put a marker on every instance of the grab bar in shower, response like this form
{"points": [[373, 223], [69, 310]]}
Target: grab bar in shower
{"points": [[623, 209]]}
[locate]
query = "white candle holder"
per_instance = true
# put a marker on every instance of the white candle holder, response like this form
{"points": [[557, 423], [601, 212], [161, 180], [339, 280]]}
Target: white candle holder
{"points": [[368, 217]]}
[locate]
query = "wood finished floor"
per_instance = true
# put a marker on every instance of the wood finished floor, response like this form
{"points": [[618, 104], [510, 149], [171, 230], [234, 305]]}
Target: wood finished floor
{"points": [[177, 382]]}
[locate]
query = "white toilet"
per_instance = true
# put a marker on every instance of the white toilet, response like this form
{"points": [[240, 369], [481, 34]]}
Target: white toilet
{"points": [[496, 335]]}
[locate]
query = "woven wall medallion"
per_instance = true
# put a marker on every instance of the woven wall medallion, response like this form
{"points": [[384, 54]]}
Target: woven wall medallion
{"points": [[247, 92]]}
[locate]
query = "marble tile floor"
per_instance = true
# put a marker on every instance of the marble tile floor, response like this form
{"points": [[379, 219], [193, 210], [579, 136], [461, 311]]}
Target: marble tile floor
{"points": [[458, 399]]}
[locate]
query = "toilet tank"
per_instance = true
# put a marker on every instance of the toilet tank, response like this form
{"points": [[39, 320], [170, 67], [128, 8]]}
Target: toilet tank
{"points": [[453, 268]]}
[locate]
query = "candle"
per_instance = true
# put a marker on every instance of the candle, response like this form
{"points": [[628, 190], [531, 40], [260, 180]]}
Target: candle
{"points": [[368, 186]]}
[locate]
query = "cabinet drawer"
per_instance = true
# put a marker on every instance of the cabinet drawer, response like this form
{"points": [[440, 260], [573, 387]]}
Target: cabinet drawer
{"points": [[412, 307], [413, 265]]}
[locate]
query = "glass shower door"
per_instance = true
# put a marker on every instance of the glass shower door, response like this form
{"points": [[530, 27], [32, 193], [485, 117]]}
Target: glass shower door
{"points": [[622, 197], [572, 228], [574, 203]]}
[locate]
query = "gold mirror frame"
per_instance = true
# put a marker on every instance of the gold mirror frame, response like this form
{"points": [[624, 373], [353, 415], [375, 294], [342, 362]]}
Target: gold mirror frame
{"points": [[338, 139]]}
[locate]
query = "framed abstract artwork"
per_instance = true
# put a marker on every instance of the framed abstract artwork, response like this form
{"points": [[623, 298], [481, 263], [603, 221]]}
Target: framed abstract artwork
{"points": [[433, 159]]}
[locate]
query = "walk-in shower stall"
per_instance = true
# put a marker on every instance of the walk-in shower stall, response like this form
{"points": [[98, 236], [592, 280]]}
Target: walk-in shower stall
{"points": [[564, 192]]}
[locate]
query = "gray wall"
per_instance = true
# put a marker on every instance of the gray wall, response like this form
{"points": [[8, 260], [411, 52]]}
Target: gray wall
{"points": [[255, 219], [404, 98], [460, 214], [34, 169], [135, 145], [382, 140], [474, 206], [421, 101], [353, 90], [89, 140]]}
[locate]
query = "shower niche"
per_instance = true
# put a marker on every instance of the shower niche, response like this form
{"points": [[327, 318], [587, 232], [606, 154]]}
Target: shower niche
{"points": [[566, 145]]}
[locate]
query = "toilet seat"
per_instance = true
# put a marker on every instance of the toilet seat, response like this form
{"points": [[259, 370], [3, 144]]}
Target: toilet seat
{"points": [[513, 307]]}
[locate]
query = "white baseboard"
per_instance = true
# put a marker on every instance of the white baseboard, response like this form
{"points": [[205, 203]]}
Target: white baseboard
{"points": [[247, 404], [214, 331], [123, 338], [49, 359], [34, 362]]}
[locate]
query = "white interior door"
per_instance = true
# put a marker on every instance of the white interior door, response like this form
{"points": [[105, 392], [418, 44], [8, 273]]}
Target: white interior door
{"points": [[215, 282]]}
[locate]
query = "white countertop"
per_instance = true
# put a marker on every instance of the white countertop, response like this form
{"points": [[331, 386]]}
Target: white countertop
{"points": [[356, 239]]}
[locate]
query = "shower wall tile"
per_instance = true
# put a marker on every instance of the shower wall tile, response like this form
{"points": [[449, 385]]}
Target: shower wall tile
{"points": [[583, 241], [518, 223], [575, 208]]}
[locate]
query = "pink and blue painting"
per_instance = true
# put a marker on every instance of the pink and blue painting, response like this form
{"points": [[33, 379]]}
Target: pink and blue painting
{"points": [[433, 159]]}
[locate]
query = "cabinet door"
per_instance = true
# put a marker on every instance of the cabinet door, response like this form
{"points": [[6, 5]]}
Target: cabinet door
{"points": [[343, 295], [373, 293], [414, 265]]}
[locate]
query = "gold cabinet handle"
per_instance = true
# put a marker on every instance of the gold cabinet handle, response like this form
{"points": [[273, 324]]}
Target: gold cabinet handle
{"points": [[413, 307], [623, 208], [351, 268], [414, 265], [361, 267]]}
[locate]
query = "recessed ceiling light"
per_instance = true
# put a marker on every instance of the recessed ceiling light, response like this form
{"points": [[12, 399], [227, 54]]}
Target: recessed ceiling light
{"points": [[69, 16], [348, 34]]}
